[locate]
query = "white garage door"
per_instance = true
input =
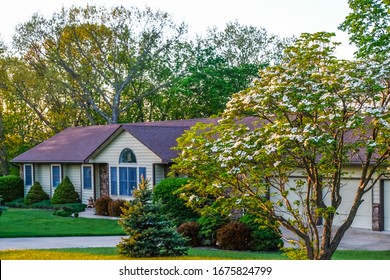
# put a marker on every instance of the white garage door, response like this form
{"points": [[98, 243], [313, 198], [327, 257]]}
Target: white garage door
{"points": [[386, 205], [363, 217]]}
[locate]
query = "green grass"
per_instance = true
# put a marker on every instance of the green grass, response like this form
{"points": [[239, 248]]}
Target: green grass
{"points": [[193, 254], [41, 223]]}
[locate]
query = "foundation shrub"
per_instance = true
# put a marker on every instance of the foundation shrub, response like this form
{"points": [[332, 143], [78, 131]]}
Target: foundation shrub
{"points": [[101, 205], [173, 206], [191, 230], [35, 194], [115, 207], [265, 233], [65, 193], [234, 236], [11, 188]]}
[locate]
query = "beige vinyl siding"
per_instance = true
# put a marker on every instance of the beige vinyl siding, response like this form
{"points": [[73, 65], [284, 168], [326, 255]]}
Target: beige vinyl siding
{"points": [[159, 173], [42, 175], [111, 153], [73, 171]]}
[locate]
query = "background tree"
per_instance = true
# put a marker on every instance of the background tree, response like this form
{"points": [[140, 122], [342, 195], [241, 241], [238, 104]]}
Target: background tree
{"points": [[368, 25], [310, 116], [108, 60]]}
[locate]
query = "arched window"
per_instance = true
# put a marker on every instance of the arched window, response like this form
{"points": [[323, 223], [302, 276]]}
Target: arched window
{"points": [[127, 156]]}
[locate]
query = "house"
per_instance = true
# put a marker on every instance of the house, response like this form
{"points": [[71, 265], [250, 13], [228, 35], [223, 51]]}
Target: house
{"points": [[106, 159], [111, 159]]}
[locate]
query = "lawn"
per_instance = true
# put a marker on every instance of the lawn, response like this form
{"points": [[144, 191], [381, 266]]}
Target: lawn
{"points": [[41, 223], [38, 223], [193, 254]]}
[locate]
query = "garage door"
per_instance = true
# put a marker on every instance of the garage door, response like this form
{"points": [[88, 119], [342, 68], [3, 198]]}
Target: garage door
{"points": [[363, 217], [386, 205]]}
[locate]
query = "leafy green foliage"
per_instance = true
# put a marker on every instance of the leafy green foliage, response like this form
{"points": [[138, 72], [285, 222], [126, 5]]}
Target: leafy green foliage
{"points": [[264, 236], [368, 26], [234, 236], [65, 193], [11, 187], [35, 194], [209, 224], [309, 116], [168, 193], [2, 207], [151, 233]]}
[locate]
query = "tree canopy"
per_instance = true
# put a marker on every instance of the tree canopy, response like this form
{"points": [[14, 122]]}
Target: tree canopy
{"points": [[309, 117]]}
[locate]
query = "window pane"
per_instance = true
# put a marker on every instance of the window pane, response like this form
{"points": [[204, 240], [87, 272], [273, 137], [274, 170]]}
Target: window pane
{"points": [[56, 173], [132, 179], [28, 177], [87, 177], [142, 173], [123, 190], [127, 156], [114, 181]]}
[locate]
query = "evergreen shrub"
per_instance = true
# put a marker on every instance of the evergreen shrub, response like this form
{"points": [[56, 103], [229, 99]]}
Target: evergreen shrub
{"points": [[35, 194], [209, 224], [151, 233], [173, 206], [11, 188], [234, 236], [265, 235], [65, 193]]}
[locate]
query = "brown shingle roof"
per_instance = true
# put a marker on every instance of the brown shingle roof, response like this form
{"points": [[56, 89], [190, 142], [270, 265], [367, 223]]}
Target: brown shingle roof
{"points": [[77, 144], [74, 144]]}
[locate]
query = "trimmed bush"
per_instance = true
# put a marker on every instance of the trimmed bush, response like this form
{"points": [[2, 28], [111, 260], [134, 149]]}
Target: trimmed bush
{"points": [[11, 188], [208, 227], [191, 230], [234, 236], [265, 236], [35, 194], [115, 207], [65, 193], [173, 206], [101, 205]]}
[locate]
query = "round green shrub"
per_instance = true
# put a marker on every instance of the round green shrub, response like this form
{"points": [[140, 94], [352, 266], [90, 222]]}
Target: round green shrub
{"points": [[265, 235], [173, 206], [209, 224], [101, 205], [191, 230], [11, 188], [234, 236], [35, 194], [65, 193]]}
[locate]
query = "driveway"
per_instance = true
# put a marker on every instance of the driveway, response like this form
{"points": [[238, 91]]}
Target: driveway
{"points": [[354, 239]]}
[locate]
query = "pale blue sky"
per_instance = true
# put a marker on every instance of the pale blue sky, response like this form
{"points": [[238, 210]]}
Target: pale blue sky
{"points": [[281, 17]]}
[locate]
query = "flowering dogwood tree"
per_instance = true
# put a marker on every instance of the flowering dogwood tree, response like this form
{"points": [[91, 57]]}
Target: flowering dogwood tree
{"points": [[281, 147]]}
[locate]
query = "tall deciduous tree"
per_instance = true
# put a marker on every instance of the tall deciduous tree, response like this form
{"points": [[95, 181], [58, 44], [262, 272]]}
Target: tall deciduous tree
{"points": [[311, 116], [108, 60], [368, 25]]}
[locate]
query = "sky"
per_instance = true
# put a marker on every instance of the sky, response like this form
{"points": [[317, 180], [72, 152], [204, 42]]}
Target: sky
{"points": [[285, 18]]}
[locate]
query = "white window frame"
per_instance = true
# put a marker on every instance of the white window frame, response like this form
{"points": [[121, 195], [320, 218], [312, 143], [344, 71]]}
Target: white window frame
{"points": [[32, 174], [82, 176], [51, 174]]}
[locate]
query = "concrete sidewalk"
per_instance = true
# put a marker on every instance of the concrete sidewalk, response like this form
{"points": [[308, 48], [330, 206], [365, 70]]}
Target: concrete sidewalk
{"points": [[58, 242]]}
